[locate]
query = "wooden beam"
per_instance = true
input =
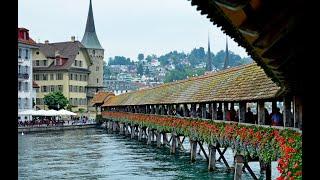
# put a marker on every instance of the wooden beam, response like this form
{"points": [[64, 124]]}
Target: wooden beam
{"points": [[287, 121], [242, 111], [214, 111], [203, 110], [297, 109], [225, 110], [246, 165], [222, 153], [223, 159], [204, 152], [261, 113]]}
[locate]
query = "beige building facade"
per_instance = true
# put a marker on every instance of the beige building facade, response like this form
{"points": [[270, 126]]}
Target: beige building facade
{"points": [[62, 67]]}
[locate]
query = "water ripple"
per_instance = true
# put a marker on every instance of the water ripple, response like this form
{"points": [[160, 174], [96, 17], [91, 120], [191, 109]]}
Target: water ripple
{"points": [[95, 154]]}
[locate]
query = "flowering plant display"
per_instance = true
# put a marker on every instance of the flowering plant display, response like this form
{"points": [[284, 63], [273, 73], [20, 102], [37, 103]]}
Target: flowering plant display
{"points": [[266, 143]]}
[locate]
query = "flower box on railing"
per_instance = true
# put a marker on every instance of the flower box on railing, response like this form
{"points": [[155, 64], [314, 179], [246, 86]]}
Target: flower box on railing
{"points": [[267, 143]]}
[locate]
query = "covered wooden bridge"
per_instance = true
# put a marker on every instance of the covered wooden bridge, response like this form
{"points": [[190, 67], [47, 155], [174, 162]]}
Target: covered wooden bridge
{"points": [[151, 113], [208, 93]]}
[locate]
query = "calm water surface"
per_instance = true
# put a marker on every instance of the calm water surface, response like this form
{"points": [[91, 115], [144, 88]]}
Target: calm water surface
{"points": [[95, 154]]}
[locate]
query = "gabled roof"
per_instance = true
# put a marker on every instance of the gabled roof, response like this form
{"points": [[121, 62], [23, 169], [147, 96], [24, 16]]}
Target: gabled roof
{"points": [[242, 83], [28, 41], [100, 97], [67, 50]]}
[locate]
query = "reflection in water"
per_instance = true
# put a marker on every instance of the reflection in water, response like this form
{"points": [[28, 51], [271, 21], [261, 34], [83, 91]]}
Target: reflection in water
{"points": [[94, 154]]}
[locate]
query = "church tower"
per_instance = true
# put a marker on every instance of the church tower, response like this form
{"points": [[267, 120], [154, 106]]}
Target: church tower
{"points": [[96, 53], [209, 60], [226, 59]]}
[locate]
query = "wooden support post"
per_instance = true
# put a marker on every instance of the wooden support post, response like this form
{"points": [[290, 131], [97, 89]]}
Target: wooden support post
{"points": [[158, 139], [149, 136], [121, 128], [185, 110], [193, 110], [214, 111], [203, 110], [152, 135], [114, 126], [287, 122], [261, 113], [238, 167], [162, 109], [157, 110], [212, 158], [274, 105], [225, 110], [165, 138], [126, 132], [268, 171], [297, 109], [132, 131], [174, 143], [140, 133], [203, 151], [242, 111], [193, 152]]}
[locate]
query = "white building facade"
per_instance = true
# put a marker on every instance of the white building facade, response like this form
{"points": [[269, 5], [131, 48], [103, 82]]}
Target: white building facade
{"points": [[25, 91]]}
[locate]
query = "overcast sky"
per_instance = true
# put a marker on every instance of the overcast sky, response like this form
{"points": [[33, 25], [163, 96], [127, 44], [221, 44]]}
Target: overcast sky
{"points": [[125, 27]]}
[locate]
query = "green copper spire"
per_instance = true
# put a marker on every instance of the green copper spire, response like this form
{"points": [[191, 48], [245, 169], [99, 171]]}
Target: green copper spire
{"points": [[90, 39], [226, 59]]}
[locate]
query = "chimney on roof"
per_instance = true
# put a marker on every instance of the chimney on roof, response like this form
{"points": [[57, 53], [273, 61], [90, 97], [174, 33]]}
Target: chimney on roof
{"points": [[73, 38], [46, 41]]}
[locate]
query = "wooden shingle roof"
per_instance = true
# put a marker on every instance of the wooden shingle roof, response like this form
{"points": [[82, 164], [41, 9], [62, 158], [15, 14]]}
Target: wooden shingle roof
{"points": [[100, 97], [242, 83]]}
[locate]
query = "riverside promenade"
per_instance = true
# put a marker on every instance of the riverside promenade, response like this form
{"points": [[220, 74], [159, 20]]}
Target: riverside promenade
{"points": [[56, 127]]}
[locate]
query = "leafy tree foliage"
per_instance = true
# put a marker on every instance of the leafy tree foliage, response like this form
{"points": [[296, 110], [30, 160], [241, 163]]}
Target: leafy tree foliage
{"points": [[140, 69], [140, 57], [183, 73], [120, 60], [54, 98]]}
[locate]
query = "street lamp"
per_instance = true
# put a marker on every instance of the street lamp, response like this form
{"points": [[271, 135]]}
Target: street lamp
{"points": [[58, 106]]}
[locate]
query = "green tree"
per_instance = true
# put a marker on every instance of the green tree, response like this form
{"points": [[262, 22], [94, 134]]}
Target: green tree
{"points": [[140, 57], [55, 100], [140, 69], [120, 60], [147, 72]]}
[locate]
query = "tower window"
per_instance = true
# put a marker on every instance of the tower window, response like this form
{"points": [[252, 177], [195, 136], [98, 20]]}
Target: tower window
{"points": [[97, 68], [97, 80], [93, 52]]}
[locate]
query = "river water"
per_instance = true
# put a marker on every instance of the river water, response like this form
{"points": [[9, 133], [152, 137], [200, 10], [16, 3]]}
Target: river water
{"points": [[95, 154]]}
